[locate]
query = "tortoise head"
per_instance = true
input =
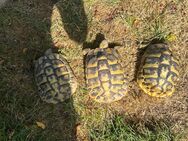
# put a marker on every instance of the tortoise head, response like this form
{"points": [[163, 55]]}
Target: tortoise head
{"points": [[51, 50], [104, 44], [48, 51]]}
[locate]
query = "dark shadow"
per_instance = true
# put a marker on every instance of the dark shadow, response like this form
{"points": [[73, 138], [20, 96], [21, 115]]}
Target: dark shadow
{"points": [[61, 121], [25, 32], [95, 43], [74, 19]]}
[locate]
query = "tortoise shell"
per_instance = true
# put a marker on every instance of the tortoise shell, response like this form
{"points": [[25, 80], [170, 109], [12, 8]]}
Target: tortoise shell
{"points": [[54, 77], [158, 71], [105, 76]]}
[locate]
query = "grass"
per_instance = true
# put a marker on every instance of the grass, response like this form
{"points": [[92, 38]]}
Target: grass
{"points": [[117, 129], [28, 28]]}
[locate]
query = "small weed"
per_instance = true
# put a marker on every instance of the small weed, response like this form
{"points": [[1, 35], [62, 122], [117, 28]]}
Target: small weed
{"points": [[158, 30]]}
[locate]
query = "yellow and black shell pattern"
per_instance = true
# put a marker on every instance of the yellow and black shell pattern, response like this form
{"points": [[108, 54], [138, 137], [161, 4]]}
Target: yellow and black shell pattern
{"points": [[54, 77], [159, 71], [105, 76]]}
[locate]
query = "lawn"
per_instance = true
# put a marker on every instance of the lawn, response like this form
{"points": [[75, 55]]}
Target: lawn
{"points": [[29, 27]]}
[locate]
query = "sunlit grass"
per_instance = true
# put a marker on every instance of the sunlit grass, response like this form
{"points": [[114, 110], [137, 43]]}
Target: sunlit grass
{"points": [[116, 129]]}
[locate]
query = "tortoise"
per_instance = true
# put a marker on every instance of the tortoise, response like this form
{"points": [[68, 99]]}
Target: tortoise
{"points": [[158, 71], [105, 77], [54, 77]]}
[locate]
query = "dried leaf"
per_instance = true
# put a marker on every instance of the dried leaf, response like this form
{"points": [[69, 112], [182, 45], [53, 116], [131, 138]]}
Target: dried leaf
{"points": [[41, 125], [24, 50]]}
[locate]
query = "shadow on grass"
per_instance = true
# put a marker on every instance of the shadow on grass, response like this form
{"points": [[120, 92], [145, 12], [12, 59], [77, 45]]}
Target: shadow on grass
{"points": [[74, 19], [61, 121], [24, 32], [19, 116]]}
